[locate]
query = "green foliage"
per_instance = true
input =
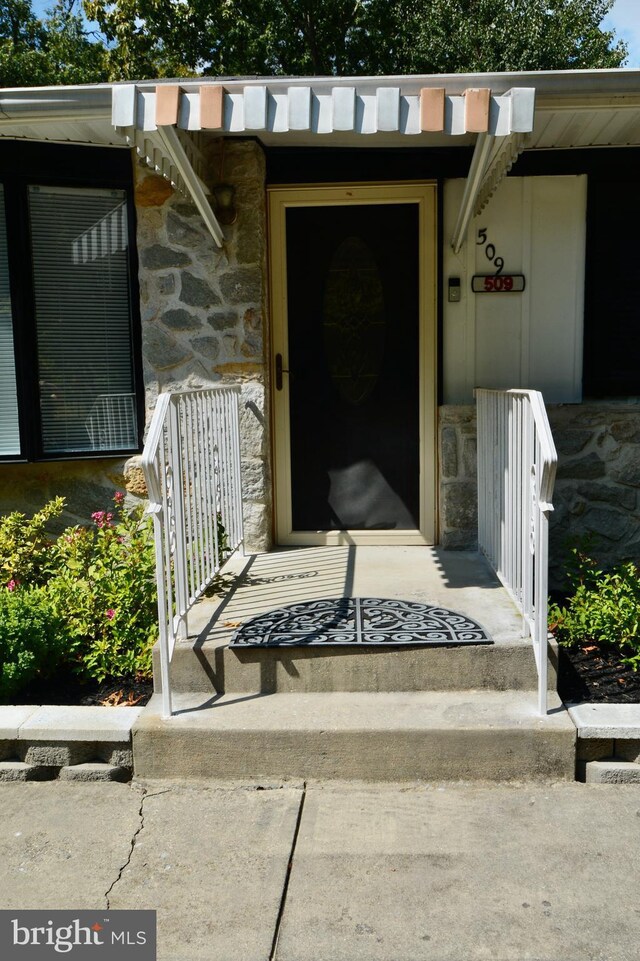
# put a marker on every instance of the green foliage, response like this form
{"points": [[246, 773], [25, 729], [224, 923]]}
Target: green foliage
{"points": [[56, 50], [603, 607], [486, 35], [148, 38], [31, 638], [163, 38], [97, 584], [105, 590], [25, 547]]}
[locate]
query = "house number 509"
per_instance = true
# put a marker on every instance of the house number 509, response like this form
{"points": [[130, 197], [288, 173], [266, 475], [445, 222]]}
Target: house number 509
{"points": [[489, 250]]}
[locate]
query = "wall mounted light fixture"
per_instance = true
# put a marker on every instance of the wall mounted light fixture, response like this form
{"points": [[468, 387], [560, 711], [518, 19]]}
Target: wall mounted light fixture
{"points": [[224, 196]]}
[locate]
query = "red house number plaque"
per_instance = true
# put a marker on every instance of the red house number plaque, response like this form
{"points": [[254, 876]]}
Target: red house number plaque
{"points": [[497, 283]]}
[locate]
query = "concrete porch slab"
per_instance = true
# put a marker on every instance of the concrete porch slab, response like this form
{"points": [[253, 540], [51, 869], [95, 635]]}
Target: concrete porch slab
{"points": [[460, 580]]}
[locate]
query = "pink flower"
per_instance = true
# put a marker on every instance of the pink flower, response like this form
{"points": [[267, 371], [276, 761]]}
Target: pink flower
{"points": [[102, 518], [11, 586], [119, 498], [110, 614]]}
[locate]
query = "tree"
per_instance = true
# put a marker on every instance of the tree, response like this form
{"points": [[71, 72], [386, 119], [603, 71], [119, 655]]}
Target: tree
{"points": [[488, 35], [150, 38], [55, 50]]}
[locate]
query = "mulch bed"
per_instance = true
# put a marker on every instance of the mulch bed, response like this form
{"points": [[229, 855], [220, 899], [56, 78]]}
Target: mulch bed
{"points": [[67, 689], [590, 672]]}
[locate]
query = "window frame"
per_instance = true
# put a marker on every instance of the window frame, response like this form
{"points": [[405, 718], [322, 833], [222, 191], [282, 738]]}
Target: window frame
{"points": [[59, 166]]}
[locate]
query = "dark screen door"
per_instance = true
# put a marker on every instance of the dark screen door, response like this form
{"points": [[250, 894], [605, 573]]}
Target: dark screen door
{"points": [[353, 328]]}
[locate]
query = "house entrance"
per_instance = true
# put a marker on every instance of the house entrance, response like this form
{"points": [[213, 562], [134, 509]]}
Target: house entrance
{"points": [[353, 375]]}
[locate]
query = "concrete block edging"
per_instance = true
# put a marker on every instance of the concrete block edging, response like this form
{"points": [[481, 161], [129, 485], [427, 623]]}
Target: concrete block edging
{"points": [[608, 742], [41, 742]]}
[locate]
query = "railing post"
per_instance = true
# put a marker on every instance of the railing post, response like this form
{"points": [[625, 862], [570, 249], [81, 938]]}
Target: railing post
{"points": [[517, 461], [180, 553], [237, 471]]}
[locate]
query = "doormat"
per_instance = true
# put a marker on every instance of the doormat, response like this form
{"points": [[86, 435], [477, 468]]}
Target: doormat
{"points": [[358, 620]]}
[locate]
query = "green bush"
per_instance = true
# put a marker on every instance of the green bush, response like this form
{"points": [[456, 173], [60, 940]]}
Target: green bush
{"points": [[32, 638], [105, 591], [25, 547], [603, 607], [97, 584]]}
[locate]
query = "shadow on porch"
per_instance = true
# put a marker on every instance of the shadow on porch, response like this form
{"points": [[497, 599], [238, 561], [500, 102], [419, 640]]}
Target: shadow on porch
{"points": [[460, 580], [252, 585]]}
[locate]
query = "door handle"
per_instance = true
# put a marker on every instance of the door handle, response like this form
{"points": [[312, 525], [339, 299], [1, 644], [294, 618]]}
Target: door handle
{"points": [[279, 371]]}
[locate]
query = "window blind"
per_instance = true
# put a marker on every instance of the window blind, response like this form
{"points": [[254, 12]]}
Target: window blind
{"points": [[9, 426], [81, 283]]}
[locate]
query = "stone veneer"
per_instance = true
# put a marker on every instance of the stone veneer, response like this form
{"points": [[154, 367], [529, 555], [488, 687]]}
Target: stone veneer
{"points": [[597, 489], [202, 308], [202, 315]]}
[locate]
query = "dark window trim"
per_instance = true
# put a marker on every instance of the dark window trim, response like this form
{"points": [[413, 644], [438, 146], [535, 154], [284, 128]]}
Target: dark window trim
{"points": [[22, 165]]}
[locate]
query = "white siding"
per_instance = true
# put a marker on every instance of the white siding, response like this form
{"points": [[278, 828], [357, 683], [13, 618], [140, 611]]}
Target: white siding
{"points": [[533, 339]]}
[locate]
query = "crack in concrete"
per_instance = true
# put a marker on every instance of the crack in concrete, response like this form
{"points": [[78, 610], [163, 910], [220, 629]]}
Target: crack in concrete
{"points": [[134, 840], [285, 887]]}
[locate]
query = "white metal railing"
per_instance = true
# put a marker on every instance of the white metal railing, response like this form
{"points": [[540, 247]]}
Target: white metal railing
{"points": [[516, 474], [191, 463]]}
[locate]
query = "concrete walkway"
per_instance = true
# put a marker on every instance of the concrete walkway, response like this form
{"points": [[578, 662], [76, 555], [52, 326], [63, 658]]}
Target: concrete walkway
{"points": [[332, 872]]}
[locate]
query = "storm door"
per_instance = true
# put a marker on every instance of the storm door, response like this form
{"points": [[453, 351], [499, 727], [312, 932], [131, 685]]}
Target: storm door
{"points": [[349, 367]]}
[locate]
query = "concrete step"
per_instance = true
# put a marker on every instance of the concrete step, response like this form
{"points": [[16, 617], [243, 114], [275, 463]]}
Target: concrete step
{"points": [[214, 667], [427, 736]]}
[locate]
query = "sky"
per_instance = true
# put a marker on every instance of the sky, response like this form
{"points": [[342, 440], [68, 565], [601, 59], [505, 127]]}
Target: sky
{"points": [[624, 19]]}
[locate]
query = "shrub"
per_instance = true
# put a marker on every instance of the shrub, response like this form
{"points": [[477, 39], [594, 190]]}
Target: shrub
{"points": [[603, 607], [95, 584], [105, 590], [25, 546], [31, 638]]}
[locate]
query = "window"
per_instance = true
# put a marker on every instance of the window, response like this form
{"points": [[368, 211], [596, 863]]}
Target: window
{"points": [[9, 428], [68, 384]]}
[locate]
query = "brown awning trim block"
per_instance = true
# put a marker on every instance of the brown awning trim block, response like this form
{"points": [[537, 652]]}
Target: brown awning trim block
{"points": [[432, 109], [476, 109], [211, 107], [167, 103]]}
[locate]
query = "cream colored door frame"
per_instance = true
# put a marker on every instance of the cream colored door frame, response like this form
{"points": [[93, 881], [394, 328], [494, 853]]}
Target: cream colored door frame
{"points": [[280, 199]]}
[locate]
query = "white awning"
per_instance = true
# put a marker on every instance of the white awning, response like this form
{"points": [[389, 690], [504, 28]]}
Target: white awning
{"points": [[319, 108], [169, 123]]}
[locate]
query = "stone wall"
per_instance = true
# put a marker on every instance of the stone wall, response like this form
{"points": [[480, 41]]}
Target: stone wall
{"points": [[203, 308], [458, 495], [597, 491]]}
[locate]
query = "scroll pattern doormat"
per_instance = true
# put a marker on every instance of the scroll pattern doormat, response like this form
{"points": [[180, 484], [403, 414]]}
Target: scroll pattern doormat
{"points": [[359, 620]]}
